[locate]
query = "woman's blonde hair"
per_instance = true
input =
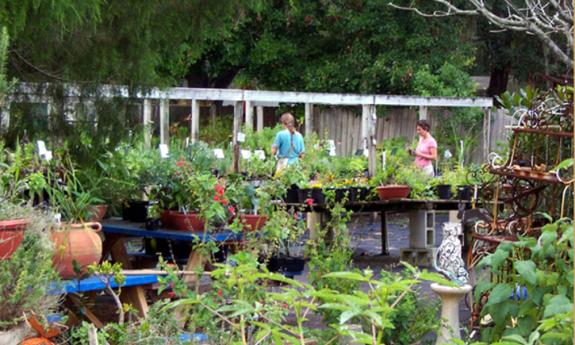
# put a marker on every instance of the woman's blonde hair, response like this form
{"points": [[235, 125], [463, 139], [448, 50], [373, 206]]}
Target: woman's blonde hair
{"points": [[288, 120]]}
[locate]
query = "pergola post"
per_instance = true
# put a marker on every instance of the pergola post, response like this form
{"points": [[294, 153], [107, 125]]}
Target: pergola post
{"points": [[260, 118], [195, 121], [368, 125], [238, 116], [249, 114], [422, 112], [164, 120], [147, 122], [308, 119]]}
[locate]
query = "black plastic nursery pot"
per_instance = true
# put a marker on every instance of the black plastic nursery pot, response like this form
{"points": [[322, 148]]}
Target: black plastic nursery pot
{"points": [[311, 193], [464, 192], [363, 194], [286, 264], [443, 191], [292, 195], [340, 193], [135, 211]]}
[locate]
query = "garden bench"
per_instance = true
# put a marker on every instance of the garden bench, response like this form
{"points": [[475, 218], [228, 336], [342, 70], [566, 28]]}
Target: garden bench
{"points": [[132, 291]]}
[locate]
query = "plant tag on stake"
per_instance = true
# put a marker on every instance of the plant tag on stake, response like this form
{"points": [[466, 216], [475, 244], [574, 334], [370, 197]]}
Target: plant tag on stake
{"points": [[246, 154], [41, 147], [331, 147], [42, 152], [219, 153], [241, 137], [164, 151], [260, 154]]}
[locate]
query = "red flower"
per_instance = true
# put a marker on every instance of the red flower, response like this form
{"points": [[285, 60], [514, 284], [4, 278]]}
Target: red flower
{"points": [[309, 201], [225, 202], [216, 198], [220, 293], [219, 189], [232, 209]]}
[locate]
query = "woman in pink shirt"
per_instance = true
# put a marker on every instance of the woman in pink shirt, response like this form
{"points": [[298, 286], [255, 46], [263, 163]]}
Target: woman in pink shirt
{"points": [[426, 151]]}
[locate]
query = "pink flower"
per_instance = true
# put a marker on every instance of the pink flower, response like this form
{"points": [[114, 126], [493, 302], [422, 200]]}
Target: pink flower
{"points": [[232, 209], [216, 198], [309, 201]]}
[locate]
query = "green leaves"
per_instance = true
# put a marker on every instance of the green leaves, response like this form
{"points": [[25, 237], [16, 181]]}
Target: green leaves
{"points": [[501, 293], [558, 304], [526, 270]]}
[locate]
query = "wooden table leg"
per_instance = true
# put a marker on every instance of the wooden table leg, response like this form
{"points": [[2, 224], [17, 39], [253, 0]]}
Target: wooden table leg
{"points": [[196, 262], [136, 296], [384, 246], [85, 311]]}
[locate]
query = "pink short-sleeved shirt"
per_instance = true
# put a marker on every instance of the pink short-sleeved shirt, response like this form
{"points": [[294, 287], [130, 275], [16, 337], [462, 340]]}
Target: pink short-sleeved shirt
{"points": [[424, 146]]}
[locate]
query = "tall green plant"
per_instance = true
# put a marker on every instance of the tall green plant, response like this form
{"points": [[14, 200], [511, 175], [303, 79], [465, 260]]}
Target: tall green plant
{"points": [[542, 266]]}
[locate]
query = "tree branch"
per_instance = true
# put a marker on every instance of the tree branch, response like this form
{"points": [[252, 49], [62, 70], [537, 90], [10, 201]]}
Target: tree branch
{"points": [[539, 18]]}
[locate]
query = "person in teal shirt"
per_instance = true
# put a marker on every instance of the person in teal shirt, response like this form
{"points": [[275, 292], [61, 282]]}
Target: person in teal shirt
{"points": [[288, 145]]}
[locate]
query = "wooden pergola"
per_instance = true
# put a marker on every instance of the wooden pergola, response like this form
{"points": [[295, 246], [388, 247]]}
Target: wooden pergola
{"points": [[250, 99]]}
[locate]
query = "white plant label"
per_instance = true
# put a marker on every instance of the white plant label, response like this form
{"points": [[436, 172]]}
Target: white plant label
{"points": [[260, 154], [164, 151], [48, 155], [331, 147], [41, 148], [241, 137], [246, 154], [219, 153]]}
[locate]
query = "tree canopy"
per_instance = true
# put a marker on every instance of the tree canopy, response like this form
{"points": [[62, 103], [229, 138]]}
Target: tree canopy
{"points": [[335, 46], [134, 42]]}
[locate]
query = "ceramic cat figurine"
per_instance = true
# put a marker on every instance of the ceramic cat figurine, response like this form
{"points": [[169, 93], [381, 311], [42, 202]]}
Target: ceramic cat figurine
{"points": [[448, 259]]}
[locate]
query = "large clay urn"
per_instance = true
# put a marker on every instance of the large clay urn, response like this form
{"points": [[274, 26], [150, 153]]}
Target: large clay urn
{"points": [[76, 245], [11, 235]]}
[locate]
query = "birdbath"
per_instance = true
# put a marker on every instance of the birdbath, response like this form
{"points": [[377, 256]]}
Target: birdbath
{"points": [[448, 261]]}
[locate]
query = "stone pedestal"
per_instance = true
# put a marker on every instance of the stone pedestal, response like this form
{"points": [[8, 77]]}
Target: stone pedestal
{"points": [[450, 297]]}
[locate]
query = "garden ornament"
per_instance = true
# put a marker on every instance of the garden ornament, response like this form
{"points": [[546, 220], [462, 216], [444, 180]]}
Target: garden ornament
{"points": [[448, 259]]}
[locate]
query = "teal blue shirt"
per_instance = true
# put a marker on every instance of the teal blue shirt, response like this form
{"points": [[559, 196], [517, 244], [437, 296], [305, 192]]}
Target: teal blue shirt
{"points": [[289, 146]]}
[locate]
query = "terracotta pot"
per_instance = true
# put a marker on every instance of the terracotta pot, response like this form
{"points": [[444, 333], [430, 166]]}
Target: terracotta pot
{"points": [[76, 245], [98, 212], [393, 192], [11, 235], [253, 222], [185, 221], [166, 218]]}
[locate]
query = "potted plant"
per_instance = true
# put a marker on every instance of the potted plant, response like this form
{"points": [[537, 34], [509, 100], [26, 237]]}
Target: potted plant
{"points": [[26, 277], [291, 177], [76, 241], [252, 215], [279, 232], [13, 222], [192, 201]]}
